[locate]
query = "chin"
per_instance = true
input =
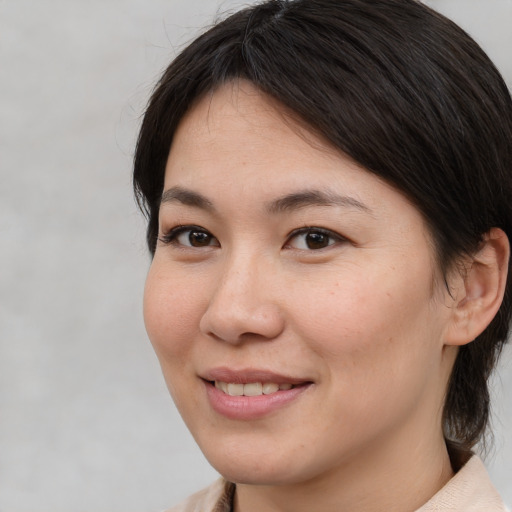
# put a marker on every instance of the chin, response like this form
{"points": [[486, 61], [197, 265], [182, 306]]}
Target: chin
{"points": [[253, 466], [256, 474]]}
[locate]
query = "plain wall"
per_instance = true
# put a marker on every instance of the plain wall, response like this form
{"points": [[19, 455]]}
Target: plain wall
{"points": [[86, 423]]}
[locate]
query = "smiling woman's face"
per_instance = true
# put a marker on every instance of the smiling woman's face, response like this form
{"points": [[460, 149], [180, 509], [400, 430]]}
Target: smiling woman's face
{"points": [[281, 264]]}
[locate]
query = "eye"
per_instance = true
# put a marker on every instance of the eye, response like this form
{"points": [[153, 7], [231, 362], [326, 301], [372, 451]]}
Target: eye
{"points": [[189, 236], [312, 239]]}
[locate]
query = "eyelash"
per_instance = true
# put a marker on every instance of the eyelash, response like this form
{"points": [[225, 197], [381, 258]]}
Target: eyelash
{"points": [[310, 230], [171, 237]]}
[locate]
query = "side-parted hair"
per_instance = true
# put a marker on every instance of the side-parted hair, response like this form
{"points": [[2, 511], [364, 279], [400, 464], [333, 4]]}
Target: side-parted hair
{"points": [[400, 89]]}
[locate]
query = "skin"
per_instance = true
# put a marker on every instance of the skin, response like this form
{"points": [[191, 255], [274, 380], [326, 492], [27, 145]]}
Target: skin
{"points": [[366, 319]]}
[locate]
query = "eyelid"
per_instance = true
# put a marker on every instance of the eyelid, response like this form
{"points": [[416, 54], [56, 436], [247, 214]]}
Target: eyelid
{"points": [[171, 235], [315, 229]]}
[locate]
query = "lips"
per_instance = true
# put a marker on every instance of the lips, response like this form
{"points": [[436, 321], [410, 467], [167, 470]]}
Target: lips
{"points": [[250, 375], [251, 394]]}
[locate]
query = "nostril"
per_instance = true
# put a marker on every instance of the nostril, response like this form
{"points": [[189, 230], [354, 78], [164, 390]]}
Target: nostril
{"points": [[242, 321]]}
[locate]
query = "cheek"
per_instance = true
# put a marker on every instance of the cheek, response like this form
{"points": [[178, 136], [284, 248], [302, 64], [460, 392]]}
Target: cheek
{"points": [[376, 345], [170, 315], [368, 317], [171, 318]]}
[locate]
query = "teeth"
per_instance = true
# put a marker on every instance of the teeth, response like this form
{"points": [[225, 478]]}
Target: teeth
{"points": [[269, 388], [251, 389], [222, 386], [235, 389]]}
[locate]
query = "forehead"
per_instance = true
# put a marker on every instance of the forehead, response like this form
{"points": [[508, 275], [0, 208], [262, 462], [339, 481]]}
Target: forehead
{"points": [[240, 136], [240, 107], [241, 130]]}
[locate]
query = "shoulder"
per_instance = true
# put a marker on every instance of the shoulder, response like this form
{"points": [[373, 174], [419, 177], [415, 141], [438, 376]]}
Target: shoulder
{"points": [[215, 498], [470, 490]]}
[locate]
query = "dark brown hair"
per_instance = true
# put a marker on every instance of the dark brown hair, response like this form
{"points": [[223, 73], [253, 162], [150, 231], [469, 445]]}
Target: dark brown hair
{"points": [[399, 88]]}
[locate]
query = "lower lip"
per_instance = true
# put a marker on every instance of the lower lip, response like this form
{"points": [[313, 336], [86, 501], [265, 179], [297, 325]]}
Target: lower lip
{"points": [[251, 407]]}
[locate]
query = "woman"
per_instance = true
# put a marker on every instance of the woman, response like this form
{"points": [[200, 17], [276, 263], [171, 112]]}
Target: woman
{"points": [[328, 192]]}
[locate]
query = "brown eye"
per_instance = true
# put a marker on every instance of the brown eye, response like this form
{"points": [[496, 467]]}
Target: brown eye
{"points": [[198, 238], [313, 239], [189, 236]]}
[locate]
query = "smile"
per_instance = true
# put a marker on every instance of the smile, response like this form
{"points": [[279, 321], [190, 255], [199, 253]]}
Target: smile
{"points": [[252, 388], [257, 396]]}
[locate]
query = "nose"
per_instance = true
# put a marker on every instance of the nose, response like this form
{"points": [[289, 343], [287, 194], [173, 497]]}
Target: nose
{"points": [[243, 305]]}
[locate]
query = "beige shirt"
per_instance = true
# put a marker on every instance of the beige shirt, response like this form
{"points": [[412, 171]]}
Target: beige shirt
{"points": [[470, 490]]}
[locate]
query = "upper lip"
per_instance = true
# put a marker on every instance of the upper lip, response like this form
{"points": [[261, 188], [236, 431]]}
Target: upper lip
{"points": [[249, 375]]}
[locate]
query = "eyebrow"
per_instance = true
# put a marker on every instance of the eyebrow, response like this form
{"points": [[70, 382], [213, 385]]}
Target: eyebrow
{"points": [[186, 197], [307, 198], [289, 202]]}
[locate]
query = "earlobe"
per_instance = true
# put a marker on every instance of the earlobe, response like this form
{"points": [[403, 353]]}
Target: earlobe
{"points": [[479, 291]]}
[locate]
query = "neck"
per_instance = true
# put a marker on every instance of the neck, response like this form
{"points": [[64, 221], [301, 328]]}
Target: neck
{"points": [[392, 478]]}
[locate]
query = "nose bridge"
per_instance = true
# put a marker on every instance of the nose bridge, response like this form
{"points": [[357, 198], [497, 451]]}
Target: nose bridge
{"points": [[243, 303]]}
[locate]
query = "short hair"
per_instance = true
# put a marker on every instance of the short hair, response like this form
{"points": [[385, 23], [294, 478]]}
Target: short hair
{"points": [[399, 88]]}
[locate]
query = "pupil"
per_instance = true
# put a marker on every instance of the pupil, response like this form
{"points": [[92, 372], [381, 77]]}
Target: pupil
{"points": [[316, 240], [199, 238]]}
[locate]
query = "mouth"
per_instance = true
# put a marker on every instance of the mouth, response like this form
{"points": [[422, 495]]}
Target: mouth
{"points": [[252, 388], [252, 394]]}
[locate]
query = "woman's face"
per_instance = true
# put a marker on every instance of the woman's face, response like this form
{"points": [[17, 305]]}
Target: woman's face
{"points": [[282, 264]]}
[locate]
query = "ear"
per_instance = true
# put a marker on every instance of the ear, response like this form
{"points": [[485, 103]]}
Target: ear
{"points": [[478, 290]]}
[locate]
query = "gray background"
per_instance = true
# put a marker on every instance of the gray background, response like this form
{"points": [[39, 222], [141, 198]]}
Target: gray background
{"points": [[85, 420]]}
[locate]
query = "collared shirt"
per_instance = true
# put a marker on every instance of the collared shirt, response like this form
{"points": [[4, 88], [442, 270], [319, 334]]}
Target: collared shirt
{"points": [[470, 490]]}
